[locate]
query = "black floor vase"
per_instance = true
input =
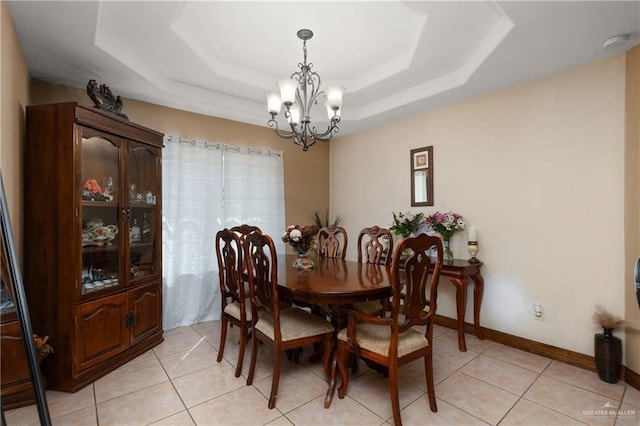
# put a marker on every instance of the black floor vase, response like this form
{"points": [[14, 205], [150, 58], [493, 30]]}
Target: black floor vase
{"points": [[608, 354]]}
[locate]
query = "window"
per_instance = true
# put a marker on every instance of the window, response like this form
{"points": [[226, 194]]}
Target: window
{"points": [[206, 187]]}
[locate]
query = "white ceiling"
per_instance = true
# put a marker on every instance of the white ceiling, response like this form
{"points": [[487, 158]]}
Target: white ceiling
{"points": [[394, 58]]}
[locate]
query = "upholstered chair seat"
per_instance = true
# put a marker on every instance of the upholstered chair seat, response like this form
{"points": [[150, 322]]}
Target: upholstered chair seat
{"points": [[233, 309], [377, 338], [294, 324]]}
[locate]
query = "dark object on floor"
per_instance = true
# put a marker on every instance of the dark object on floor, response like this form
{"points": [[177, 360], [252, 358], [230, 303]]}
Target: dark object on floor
{"points": [[608, 356], [104, 99]]}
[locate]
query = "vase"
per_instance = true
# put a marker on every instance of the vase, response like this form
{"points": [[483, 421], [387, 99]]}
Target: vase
{"points": [[302, 248], [608, 356], [303, 262], [446, 245]]}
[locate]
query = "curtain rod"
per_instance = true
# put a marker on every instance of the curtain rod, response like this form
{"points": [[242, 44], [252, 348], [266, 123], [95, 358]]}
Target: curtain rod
{"points": [[220, 146]]}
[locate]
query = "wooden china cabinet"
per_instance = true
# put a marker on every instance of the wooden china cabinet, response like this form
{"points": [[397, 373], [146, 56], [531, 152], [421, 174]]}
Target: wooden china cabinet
{"points": [[92, 237]]}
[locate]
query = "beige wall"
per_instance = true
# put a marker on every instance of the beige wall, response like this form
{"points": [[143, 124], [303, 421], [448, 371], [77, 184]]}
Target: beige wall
{"points": [[632, 201], [14, 92], [538, 169], [306, 173]]}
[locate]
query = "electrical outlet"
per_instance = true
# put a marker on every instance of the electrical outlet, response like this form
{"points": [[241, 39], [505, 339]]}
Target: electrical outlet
{"points": [[538, 313]]}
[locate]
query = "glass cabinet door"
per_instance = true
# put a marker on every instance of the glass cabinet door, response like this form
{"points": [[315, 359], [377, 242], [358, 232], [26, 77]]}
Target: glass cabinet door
{"points": [[144, 219], [101, 197]]}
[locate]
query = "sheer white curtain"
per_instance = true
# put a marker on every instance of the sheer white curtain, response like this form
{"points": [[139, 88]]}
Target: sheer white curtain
{"points": [[206, 187], [254, 191]]}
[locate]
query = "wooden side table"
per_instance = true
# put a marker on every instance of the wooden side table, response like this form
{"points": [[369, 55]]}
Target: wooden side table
{"points": [[460, 272]]}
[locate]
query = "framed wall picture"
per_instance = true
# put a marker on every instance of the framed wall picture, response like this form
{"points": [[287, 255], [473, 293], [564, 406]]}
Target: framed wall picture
{"points": [[422, 176], [420, 160]]}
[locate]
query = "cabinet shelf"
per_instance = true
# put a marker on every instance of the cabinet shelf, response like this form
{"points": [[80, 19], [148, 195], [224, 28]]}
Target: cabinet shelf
{"points": [[87, 203], [99, 249], [141, 245]]}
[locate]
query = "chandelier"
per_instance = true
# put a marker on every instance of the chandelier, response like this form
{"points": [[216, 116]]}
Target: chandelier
{"points": [[298, 94]]}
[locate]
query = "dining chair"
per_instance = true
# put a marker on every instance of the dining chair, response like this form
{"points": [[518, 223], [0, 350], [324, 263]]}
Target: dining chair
{"points": [[236, 308], [242, 231], [283, 330], [245, 229], [332, 242], [375, 245], [395, 339]]}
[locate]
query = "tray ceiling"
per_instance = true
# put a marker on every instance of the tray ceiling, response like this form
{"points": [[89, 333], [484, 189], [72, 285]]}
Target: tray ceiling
{"points": [[394, 58]]}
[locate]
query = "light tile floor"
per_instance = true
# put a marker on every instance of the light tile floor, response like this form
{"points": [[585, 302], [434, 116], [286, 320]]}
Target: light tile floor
{"points": [[180, 383]]}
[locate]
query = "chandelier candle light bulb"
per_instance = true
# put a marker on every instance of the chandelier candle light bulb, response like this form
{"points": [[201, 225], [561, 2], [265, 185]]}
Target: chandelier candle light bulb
{"points": [[274, 104], [294, 117], [334, 97], [288, 91]]}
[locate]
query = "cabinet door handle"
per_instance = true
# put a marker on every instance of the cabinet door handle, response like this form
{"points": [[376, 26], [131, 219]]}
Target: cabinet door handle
{"points": [[126, 213], [129, 320]]}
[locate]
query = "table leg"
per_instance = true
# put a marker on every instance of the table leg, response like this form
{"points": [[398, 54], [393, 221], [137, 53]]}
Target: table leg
{"points": [[461, 307], [478, 290], [332, 381], [339, 321], [352, 365], [332, 377]]}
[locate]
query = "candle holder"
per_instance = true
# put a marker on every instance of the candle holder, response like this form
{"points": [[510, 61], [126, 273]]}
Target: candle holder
{"points": [[473, 250]]}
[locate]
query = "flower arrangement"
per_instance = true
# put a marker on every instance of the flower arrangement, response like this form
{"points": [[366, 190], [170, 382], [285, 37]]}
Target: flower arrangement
{"points": [[404, 224], [42, 347], [445, 224], [300, 238]]}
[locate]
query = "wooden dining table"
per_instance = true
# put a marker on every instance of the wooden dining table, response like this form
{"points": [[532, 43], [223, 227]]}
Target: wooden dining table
{"points": [[334, 283]]}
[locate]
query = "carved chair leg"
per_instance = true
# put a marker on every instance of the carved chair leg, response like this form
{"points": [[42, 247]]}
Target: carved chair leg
{"points": [[428, 368], [393, 390], [243, 344], [353, 363], [223, 338], [275, 380], [252, 365]]}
